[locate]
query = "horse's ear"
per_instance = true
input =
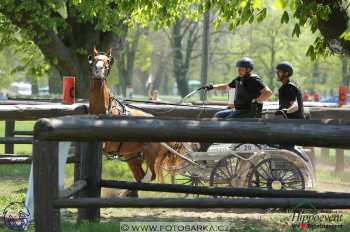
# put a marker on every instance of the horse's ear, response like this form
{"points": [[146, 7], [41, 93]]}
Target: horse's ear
{"points": [[109, 52], [90, 59], [95, 52]]}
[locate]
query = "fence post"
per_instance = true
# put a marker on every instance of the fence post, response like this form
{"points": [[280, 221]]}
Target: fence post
{"points": [[90, 170], [325, 153], [312, 155], [45, 173], [339, 161], [9, 132], [76, 161]]}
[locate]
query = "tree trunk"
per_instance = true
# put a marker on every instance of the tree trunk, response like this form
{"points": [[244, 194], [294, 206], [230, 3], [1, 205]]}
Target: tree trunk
{"points": [[159, 76], [273, 63], [127, 61], [339, 161], [325, 153], [333, 26], [182, 62], [35, 86], [316, 73], [83, 78], [166, 84], [55, 81], [205, 51], [182, 85], [345, 70]]}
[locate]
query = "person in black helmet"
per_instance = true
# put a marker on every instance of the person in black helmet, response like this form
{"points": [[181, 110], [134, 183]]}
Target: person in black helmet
{"points": [[290, 97], [290, 100], [250, 92]]}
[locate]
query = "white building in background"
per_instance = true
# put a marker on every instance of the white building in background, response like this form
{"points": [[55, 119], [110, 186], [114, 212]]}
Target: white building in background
{"points": [[20, 89]]}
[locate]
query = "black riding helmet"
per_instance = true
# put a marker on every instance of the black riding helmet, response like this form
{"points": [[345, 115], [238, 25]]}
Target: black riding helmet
{"points": [[245, 62], [285, 66]]}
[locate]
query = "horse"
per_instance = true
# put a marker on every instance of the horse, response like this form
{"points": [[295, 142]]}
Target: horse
{"points": [[102, 103]]}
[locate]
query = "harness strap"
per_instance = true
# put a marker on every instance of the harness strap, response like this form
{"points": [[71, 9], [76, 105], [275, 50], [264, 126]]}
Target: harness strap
{"points": [[138, 155], [122, 108]]}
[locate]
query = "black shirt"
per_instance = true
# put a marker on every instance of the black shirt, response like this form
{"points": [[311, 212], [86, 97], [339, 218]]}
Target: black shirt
{"points": [[247, 89], [289, 93]]}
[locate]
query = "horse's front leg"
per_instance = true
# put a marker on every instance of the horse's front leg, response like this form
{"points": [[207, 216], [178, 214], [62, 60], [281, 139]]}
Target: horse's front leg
{"points": [[135, 166]]}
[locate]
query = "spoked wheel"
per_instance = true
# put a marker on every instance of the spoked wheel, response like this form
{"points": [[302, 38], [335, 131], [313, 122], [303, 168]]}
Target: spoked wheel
{"points": [[276, 174], [190, 176], [227, 172]]}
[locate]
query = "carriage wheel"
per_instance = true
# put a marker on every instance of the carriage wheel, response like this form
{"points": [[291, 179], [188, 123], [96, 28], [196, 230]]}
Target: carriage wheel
{"points": [[190, 176], [225, 172], [276, 174]]}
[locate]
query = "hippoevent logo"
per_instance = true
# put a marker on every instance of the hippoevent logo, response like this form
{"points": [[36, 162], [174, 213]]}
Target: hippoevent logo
{"points": [[16, 216], [305, 216]]}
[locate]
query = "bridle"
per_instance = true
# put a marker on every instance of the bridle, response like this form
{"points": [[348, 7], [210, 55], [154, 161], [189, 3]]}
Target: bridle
{"points": [[107, 66]]}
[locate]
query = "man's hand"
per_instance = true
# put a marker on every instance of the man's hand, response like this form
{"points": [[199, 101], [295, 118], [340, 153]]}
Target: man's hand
{"points": [[207, 87]]}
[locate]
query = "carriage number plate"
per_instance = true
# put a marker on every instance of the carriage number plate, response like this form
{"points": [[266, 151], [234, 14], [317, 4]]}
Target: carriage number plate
{"points": [[247, 148]]}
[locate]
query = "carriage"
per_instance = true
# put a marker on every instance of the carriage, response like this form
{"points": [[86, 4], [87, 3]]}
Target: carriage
{"points": [[243, 165]]}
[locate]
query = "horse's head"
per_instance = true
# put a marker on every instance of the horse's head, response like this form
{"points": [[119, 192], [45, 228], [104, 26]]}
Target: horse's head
{"points": [[101, 63]]}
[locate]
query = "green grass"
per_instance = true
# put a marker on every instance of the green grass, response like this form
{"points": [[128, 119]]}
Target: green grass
{"points": [[19, 148]]}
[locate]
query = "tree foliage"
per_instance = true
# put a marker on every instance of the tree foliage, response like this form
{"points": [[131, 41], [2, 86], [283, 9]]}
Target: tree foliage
{"points": [[65, 31], [328, 18]]}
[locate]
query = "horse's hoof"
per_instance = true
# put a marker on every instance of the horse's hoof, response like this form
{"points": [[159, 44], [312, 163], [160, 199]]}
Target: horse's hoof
{"points": [[129, 193]]}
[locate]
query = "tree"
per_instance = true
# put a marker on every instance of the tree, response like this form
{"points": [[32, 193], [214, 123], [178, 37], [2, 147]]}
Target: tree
{"points": [[205, 50], [328, 17], [345, 71], [66, 30], [265, 40], [183, 39], [126, 59]]}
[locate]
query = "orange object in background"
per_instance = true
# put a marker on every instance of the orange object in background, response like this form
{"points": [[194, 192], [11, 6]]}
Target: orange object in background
{"points": [[343, 92], [69, 90], [317, 97]]}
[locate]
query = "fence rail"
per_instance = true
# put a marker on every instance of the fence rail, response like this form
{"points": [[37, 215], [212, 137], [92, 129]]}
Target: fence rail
{"points": [[331, 133], [91, 130]]}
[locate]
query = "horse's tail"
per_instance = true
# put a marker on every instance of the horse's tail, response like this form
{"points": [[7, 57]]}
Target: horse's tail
{"points": [[170, 161]]}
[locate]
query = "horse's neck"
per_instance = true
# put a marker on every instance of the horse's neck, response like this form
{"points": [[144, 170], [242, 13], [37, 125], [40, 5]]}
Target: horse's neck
{"points": [[99, 97]]}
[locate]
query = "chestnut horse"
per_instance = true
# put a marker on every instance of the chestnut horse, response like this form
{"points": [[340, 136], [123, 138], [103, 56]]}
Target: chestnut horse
{"points": [[101, 102]]}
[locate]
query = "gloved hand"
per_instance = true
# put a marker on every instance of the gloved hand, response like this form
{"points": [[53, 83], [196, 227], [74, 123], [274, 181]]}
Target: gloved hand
{"points": [[281, 112], [207, 87]]}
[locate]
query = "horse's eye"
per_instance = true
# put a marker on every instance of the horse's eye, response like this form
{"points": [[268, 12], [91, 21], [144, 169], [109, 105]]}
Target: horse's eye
{"points": [[111, 60]]}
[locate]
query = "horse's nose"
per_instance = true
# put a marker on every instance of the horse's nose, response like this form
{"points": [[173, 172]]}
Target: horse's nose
{"points": [[99, 64]]}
